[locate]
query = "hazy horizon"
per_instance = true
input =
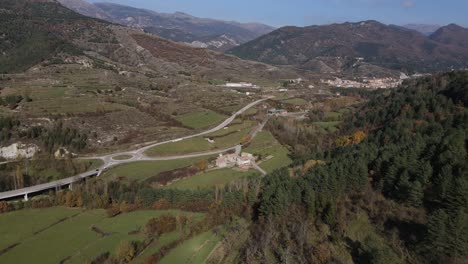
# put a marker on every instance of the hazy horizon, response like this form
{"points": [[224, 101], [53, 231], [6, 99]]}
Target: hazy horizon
{"points": [[316, 12]]}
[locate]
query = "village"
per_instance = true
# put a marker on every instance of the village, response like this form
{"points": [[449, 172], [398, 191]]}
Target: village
{"points": [[369, 83]]}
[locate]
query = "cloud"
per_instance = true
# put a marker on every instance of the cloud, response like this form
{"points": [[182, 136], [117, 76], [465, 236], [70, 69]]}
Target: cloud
{"points": [[408, 3]]}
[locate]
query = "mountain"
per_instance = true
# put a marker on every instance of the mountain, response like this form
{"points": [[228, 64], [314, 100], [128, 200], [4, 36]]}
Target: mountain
{"points": [[46, 31], [386, 46], [423, 28], [85, 8], [453, 35], [201, 32]]}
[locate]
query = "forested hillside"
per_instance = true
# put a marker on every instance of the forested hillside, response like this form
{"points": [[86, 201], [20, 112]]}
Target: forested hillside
{"points": [[399, 196], [34, 34]]}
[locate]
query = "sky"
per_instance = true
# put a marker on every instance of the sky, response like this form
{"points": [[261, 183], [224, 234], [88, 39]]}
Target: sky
{"points": [[314, 12]]}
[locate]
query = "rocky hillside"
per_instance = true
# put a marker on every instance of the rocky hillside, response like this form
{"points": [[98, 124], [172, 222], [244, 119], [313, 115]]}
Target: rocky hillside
{"points": [[201, 32], [386, 46]]}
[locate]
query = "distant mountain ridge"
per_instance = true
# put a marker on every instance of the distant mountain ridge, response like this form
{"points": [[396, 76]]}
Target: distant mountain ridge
{"points": [[181, 27], [425, 29], [385, 46]]}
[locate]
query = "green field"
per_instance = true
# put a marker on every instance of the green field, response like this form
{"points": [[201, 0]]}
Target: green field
{"points": [[143, 170], [266, 145], [224, 138], [200, 119], [212, 178], [333, 116], [43, 238], [331, 126], [195, 250], [295, 101]]}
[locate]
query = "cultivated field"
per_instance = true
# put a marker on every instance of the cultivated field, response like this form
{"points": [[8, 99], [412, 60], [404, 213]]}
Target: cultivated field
{"points": [[272, 154], [200, 119], [195, 250], [224, 138], [213, 178], [144, 170], [55, 234]]}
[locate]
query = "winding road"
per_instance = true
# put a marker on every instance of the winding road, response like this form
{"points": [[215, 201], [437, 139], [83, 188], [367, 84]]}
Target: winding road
{"points": [[137, 155]]}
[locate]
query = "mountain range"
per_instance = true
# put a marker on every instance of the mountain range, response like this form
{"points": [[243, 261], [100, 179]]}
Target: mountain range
{"points": [[200, 32], [337, 47], [44, 32]]}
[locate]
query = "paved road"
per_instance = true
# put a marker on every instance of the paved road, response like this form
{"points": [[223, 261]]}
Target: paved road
{"points": [[136, 155], [47, 186], [139, 154]]}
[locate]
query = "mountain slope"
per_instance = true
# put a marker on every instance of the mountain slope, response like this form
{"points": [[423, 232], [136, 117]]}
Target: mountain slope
{"points": [[452, 34], [85, 8], [181, 27], [381, 45], [32, 31]]}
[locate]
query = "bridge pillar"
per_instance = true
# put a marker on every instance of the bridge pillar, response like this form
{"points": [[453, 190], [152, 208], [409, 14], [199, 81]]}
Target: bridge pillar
{"points": [[70, 186], [26, 197]]}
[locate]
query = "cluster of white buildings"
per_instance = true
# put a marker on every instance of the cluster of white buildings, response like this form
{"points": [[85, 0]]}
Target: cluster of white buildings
{"points": [[244, 161], [241, 85], [371, 83]]}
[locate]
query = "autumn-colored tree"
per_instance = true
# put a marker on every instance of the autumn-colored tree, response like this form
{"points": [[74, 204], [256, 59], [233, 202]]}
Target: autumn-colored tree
{"points": [[202, 165], [310, 164], [79, 200], [113, 210], [161, 225], [125, 252], [70, 200], [126, 207], [161, 204], [4, 207], [358, 137]]}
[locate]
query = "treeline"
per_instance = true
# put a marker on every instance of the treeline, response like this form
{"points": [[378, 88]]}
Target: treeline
{"points": [[408, 172], [119, 197]]}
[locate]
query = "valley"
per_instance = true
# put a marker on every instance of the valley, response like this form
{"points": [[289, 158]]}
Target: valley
{"points": [[135, 135]]}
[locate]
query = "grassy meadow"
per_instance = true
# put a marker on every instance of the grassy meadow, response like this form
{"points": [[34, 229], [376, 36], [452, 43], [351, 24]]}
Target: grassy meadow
{"points": [[273, 155], [212, 178]]}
